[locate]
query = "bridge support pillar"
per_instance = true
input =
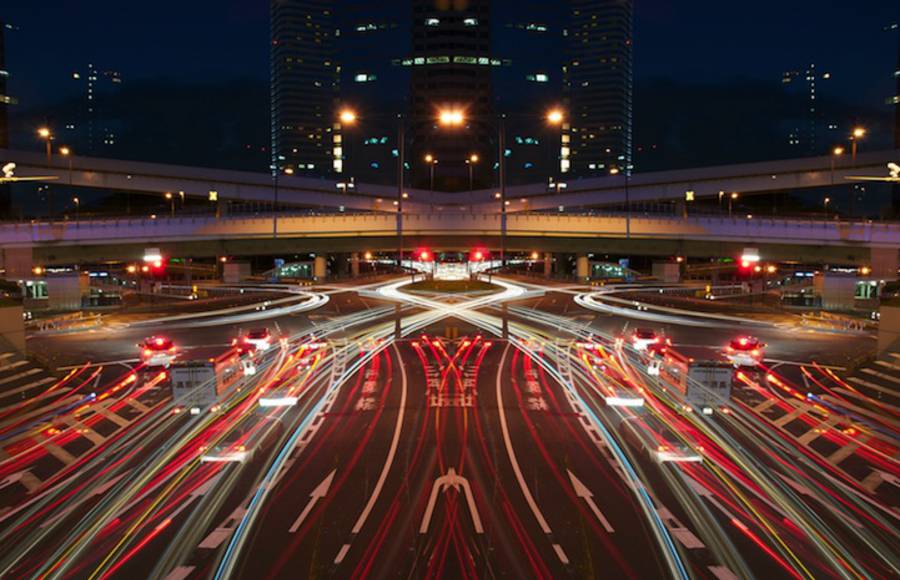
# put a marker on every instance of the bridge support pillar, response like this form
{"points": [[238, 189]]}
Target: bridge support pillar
{"points": [[354, 264], [582, 268], [548, 264], [18, 262], [320, 268], [884, 263]]}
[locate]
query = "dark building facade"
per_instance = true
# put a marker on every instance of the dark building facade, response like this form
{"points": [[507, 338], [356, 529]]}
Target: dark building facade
{"points": [[451, 66], [5, 99], [598, 86], [95, 128], [528, 38], [370, 44], [304, 84]]}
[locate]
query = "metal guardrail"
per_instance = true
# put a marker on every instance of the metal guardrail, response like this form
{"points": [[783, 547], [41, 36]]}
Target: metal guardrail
{"points": [[326, 225]]}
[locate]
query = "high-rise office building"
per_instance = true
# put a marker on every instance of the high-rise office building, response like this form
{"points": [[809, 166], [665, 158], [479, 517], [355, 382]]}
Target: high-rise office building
{"points": [[5, 99], [95, 129], [370, 43], [451, 71], [528, 38], [303, 86], [807, 132], [598, 86]]}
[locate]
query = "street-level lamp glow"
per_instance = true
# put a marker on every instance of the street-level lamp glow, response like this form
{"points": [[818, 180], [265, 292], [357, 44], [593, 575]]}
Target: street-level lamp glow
{"points": [[555, 116], [479, 255], [348, 116], [473, 158], [534, 255], [865, 270], [451, 118], [838, 150], [405, 195], [64, 151], [76, 201], [859, 133], [734, 195], [497, 195], [168, 195], [131, 268], [288, 170], [44, 133], [430, 158], [614, 171], [368, 255], [37, 270], [771, 269]]}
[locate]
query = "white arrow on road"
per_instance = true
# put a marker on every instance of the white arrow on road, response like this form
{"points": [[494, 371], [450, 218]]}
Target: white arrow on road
{"points": [[316, 494], [584, 493], [452, 479]]}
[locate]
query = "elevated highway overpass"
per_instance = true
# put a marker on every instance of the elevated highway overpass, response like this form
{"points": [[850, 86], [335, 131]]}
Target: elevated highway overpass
{"points": [[746, 178], [90, 241]]}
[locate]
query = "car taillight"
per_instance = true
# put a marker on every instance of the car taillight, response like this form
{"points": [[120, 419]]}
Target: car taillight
{"points": [[147, 352], [755, 352]]}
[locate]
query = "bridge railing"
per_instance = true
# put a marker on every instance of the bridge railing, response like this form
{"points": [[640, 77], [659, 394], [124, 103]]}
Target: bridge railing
{"points": [[829, 232]]}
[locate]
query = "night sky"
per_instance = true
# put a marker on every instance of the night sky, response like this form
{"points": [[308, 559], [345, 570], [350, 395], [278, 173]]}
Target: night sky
{"points": [[703, 41]]}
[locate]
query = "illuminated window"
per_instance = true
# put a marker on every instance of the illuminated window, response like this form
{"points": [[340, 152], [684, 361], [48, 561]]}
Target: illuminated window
{"points": [[432, 22], [471, 22]]}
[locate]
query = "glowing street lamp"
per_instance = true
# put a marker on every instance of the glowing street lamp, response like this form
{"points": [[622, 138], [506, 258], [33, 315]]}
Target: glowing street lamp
{"points": [[348, 117], [857, 134], [451, 117], [431, 161], [555, 116], [471, 161], [171, 199]]}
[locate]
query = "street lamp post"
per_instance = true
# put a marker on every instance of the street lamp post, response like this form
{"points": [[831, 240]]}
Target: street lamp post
{"points": [[731, 198], [431, 161], [455, 118], [77, 203], [501, 170], [835, 153], [349, 117], [45, 134], [616, 171], [471, 161], [171, 199], [858, 133]]}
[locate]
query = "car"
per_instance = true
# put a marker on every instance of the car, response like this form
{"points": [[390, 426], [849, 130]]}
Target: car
{"points": [[671, 448], [649, 341], [658, 442], [745, 351], [234, 447], [259, 338], [157, 351]]}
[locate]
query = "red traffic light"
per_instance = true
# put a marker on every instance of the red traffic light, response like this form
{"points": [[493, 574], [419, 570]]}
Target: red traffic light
{"points": [[424, 255]]}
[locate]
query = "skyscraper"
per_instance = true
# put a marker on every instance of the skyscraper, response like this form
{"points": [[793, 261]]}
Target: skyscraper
{"points": [[371, 42], [805, 134], [5, 100], [303, 85], [598, 85], [451, 71], [95, 130]]}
